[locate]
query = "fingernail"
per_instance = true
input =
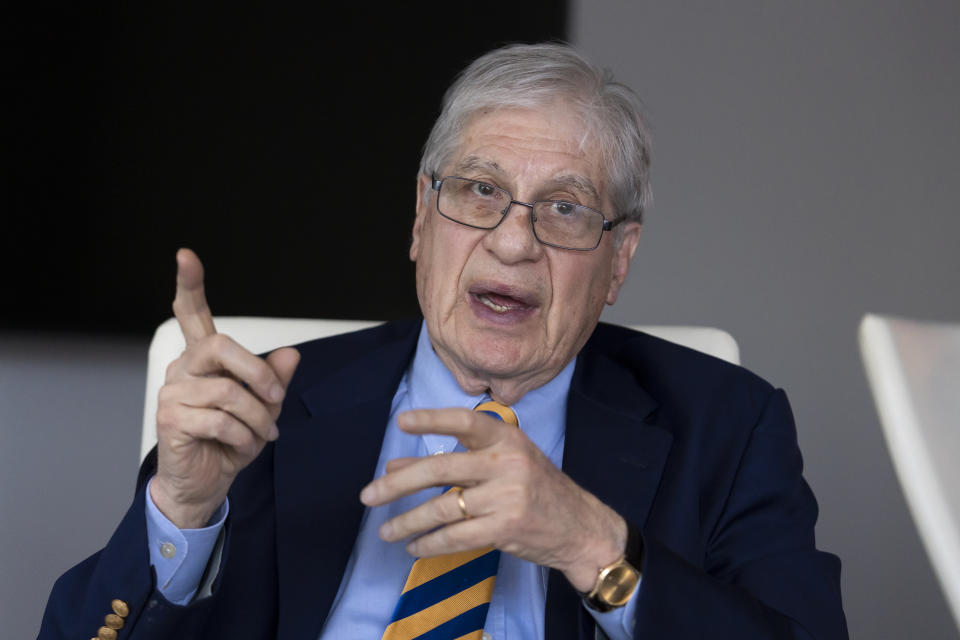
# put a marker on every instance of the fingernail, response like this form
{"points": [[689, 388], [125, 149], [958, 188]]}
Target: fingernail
{"points": [[276, 393], [412, 549], [367, 495], [274, 432], [385, 530]]}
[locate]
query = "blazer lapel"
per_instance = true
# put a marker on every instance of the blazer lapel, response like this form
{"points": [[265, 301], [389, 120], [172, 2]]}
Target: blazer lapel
{"points": [[615, 448], [323, 460]]}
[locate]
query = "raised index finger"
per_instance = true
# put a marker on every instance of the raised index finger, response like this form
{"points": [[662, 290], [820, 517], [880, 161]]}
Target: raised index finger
{"points": [[190, 304]]}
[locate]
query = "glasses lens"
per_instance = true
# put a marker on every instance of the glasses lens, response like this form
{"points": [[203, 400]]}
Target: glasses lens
{"points": [[568, 225], [471, 202]]}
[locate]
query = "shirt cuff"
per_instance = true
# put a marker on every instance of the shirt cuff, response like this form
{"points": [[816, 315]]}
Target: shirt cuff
{"points": [[180, 556], [618, 623]]}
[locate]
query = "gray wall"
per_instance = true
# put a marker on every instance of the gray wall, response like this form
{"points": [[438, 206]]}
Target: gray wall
{"points": [[70, 415], [806, 171]]}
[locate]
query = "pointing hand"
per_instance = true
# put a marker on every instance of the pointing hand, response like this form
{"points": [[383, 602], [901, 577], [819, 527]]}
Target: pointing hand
{"points": [[216, 410]]}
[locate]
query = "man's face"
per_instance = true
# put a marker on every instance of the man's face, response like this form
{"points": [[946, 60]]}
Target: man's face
{"points": [[505, 312]]}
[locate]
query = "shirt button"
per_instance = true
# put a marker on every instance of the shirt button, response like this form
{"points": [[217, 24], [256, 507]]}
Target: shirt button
{"points": [[167, 550], [487, 636]]}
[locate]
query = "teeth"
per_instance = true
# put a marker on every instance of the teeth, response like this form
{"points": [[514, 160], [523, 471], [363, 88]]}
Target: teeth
{"points": [[493, 305]]}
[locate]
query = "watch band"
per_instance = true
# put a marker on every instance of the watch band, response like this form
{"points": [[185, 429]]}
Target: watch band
{"points": [[617, 581]]}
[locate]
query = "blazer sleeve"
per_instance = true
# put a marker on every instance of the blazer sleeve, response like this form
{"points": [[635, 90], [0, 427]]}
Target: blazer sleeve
{"points": [[83, 596], [761, 575]]}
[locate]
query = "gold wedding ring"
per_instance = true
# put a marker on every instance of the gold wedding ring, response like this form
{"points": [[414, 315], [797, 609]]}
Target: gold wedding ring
{"points": [[463, 505]]}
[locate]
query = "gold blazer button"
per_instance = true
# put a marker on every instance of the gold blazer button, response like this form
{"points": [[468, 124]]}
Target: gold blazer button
{"points": [[106, 633], [113, 621], [120, 608]]}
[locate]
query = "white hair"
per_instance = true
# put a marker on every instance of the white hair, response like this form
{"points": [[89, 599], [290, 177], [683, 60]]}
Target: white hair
{"points": [[531, 76]]}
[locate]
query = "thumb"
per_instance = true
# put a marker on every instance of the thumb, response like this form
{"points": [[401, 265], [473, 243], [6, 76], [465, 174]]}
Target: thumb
{"points": [[284, 362]]}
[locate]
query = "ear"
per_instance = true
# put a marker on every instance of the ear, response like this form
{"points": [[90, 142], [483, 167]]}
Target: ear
{"points": [[423, 207], [621, 259]]}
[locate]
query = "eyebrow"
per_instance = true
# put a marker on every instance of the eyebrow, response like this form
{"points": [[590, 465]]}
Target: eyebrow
{"points": [[472, 163], [579, 183]]}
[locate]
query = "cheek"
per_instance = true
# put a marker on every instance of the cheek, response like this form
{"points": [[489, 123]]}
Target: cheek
{"points": [[441, 264], [422, 271], [580, 292]]}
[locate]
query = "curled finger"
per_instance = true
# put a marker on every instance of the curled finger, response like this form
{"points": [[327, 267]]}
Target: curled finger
{"points": [[227, 395], [464, 535], [473, 429], [452, 469], [452, 507], [399, 463], [220, 354], [200, 423]]}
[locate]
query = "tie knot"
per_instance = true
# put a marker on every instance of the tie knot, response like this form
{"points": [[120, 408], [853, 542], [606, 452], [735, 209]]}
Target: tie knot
{"points": [[499, 411]]}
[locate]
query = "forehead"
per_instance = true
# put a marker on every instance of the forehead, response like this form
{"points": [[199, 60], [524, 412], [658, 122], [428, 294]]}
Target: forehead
{"points": [[548, 144]]}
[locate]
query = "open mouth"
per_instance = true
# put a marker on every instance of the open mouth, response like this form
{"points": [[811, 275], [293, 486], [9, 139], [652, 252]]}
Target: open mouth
{"points": [[500, 303]]}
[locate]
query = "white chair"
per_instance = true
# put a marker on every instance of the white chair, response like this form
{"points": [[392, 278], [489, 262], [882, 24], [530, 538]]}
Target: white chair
{"points": [[914, 372], [264, 334]]}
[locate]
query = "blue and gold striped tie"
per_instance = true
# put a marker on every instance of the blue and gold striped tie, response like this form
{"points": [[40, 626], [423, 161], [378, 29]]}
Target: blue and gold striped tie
{"points": [[447, 597]]}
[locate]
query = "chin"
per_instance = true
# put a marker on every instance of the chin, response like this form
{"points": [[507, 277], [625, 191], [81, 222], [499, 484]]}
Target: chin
{"points": [[502, 358]]}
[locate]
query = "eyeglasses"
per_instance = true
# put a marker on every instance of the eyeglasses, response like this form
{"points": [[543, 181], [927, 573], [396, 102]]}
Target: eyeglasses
{"points": [[556, 223]]}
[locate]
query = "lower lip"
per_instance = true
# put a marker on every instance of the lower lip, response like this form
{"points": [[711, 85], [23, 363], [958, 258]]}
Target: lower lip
{"points": [[508, 317]]}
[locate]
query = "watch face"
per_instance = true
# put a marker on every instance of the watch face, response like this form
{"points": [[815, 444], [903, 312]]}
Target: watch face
{"points": [[618, 585]]}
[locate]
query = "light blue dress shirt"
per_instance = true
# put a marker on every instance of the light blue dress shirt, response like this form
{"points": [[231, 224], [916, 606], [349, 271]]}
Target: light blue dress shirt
{"points": [[377, 570]]}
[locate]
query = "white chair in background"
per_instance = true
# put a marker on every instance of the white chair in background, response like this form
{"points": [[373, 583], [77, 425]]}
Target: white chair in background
{"points": [[914, 372], [260, 335]]}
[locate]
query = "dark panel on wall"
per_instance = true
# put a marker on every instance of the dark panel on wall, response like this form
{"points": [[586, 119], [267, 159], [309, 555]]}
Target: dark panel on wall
{"points": [[281, 144]]}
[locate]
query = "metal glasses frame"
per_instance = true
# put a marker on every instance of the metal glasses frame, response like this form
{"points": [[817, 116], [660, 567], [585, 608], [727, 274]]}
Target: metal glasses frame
{"points": [[607, 224]]}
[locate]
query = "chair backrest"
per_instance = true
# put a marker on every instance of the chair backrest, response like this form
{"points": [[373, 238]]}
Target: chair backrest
{"points": [[914, 373], [263, 334]]}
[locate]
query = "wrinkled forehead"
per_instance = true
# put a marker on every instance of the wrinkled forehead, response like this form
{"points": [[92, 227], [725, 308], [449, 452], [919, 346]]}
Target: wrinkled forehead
{"points": [[552, 141]]}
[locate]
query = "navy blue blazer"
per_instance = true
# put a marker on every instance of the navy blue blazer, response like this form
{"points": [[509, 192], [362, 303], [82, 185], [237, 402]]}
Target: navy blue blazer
{"points": [[698, 455]]}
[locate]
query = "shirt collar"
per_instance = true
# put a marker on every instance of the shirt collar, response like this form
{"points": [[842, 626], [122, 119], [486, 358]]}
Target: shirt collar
{"points": [[540, 413]]}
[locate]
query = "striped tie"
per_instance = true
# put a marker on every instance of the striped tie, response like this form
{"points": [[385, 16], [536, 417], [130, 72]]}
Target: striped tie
{"points": [[447, 597]]}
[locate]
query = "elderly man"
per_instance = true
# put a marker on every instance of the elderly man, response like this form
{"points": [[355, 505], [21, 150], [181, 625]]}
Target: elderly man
{"points": [[649, 491]]}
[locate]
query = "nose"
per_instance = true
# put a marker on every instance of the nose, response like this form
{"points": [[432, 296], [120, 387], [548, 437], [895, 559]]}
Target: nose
{"points": [[513, 240]]}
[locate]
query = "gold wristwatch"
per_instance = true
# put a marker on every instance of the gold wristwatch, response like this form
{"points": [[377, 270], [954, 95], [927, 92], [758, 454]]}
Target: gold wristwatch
{"points": [[615, 584]]}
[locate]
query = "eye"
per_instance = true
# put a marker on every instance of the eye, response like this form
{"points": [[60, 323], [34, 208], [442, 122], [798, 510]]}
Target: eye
{"points": [[564, 208], [484, 189]]}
